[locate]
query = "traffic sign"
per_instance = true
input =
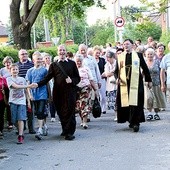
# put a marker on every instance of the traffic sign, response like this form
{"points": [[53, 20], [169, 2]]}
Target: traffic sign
{"points": [[119, 22]]}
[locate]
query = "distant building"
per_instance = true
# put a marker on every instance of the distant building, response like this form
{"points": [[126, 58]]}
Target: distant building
{"points": [[3, 34]]}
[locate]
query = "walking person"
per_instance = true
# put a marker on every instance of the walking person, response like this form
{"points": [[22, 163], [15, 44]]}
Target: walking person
{"points": [[158, 95], [47, 61], [130, 92], [5, 72], [39, 95], [17, 100], [24, 64], [101, 64], [165, 73], [111, 86], [90, 62], [64, 91], [3, 88], [86, 84]]}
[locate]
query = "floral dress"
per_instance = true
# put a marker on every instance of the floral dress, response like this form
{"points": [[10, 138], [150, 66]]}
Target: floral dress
{"points": [[83, 103]]}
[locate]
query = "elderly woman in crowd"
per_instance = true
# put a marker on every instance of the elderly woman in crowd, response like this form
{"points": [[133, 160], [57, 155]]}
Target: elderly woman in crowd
{"points": [[5, 72], [110, 79], [158, 96], [83, 104], [101, 63]]}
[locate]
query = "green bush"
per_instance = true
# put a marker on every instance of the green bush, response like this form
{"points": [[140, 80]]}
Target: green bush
{"points": [[9, 51]]}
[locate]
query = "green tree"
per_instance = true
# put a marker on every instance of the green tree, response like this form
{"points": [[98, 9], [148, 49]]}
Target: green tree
{"points": [[143, 31], [101, 33], [65, 12], [78, 30], [22, 22]]}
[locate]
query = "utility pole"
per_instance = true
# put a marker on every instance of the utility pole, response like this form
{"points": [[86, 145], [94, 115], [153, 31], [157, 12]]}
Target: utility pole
{"points": [[46, 28], [117, 13], [114, 17]]}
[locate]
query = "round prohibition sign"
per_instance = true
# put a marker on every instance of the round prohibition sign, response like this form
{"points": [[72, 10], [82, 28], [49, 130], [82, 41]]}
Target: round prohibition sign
{"points": [[119, 22]]}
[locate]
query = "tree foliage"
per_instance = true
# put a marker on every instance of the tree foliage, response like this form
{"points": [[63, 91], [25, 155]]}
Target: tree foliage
{"points": [[101, 33], [143, 31], [23, 14], [64, 12], [131, 13], [157, 5]]}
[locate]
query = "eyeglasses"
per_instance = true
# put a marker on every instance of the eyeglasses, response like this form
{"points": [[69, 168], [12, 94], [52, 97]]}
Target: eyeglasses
{"points": [[24, 54]]}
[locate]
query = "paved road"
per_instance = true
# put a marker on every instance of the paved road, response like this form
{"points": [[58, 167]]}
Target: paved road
{"points": [[105, 145]]}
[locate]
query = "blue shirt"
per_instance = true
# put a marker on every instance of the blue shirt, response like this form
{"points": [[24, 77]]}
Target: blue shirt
{"points": [[34, 75]]}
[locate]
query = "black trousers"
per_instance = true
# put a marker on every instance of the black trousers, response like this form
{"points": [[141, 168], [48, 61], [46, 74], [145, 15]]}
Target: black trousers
{"points": [[2, 110]]}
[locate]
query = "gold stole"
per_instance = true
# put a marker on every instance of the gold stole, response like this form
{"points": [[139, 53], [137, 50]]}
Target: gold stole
{"points": [[132, 98]]}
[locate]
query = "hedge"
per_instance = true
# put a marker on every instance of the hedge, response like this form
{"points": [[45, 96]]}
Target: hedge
{"points": [[10, 51]]}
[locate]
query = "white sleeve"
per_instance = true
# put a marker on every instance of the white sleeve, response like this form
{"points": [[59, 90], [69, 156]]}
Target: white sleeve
{"points": [[89, 74], [106, 68], [97, 71], [163, 63], [9, 82]]}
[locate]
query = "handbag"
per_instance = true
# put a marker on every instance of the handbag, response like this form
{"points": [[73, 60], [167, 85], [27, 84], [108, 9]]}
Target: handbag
{"points": [[96, 108]]}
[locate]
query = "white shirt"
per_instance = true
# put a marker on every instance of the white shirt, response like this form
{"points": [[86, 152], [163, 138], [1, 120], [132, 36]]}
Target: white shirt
{"points": [[110, 86], [165, 64], [91, 63]]}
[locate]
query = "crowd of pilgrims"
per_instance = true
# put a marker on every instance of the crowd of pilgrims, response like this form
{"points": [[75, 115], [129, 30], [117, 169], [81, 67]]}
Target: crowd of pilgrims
{"points": [[96, 67]]}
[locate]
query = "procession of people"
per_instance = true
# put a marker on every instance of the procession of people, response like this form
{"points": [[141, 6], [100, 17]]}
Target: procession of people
{"points": [[129, 82]]}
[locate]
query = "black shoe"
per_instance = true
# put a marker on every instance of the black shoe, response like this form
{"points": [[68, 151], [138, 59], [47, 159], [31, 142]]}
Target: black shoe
{"points": [[136, 128], [63, 134], [130, 125], [88, 119], [69, 137], [32, 132], [104, 112]]}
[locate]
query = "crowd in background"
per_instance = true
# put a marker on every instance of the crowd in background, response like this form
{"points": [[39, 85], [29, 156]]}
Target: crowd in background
{"points": [[37, 86]]}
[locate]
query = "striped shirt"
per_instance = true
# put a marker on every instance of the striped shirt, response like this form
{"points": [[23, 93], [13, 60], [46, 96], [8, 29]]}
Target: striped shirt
{"points": [[23, 67]]}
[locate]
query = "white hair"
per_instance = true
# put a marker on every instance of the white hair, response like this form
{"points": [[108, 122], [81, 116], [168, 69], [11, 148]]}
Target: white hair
{"points": [[78, 56], [151, 50]]}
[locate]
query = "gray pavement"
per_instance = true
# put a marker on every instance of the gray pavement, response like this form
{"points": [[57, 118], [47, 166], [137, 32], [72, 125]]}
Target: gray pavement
{"points": [[104, 145]]}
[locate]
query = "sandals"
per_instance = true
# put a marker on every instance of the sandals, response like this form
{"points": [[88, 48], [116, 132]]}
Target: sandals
{"points": [[149, 117], [156, 117]]}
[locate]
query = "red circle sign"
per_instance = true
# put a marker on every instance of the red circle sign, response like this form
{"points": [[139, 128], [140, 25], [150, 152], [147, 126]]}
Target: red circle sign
{"points": [[119, 22]]}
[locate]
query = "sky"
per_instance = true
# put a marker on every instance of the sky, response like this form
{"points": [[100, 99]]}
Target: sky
{"points": [[93, 13]]}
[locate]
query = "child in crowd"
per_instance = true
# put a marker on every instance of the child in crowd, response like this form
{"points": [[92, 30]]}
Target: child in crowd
{"points": [[39, 95], [17, 100]]}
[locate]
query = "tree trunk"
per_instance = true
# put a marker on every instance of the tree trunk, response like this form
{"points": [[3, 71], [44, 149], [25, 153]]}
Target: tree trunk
{"points": [[21, 26], [22, 38]]}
